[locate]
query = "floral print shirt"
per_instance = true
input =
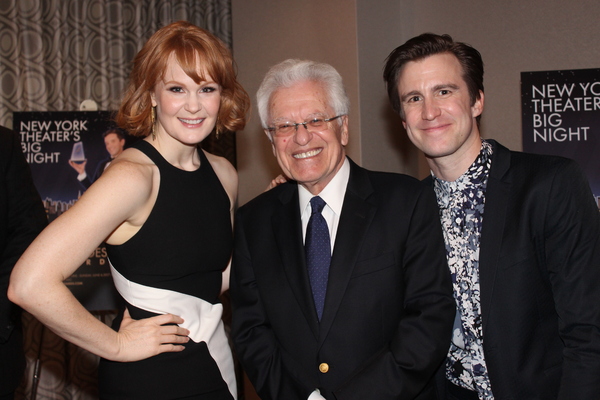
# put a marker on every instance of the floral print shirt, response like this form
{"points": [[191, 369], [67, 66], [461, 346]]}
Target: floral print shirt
{"points": [[461, 205]]}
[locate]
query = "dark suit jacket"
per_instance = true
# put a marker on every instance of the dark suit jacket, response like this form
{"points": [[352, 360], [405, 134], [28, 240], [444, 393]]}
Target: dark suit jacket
{"points": [[22, 217], [539, 268], [388, 312]]}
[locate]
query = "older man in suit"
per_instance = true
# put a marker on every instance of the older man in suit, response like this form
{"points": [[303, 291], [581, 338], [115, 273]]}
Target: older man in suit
{"points": [[522, 238], [22, 218], [339, 285]]}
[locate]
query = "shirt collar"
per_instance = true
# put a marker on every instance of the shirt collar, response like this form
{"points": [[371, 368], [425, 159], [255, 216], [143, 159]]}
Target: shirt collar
{"points": [[333, 194], [475, 177]]}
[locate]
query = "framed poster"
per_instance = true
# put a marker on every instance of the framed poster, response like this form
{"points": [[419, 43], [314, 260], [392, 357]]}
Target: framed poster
{"points": [[561, 116], [55, 144]]}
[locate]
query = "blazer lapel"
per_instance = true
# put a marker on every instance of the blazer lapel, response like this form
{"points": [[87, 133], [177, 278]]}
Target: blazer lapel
{"points": [[288, 235], [494, 220], [355, 219]]}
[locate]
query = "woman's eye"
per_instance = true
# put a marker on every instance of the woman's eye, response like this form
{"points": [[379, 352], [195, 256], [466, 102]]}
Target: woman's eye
{"points": [[209, 89], [176, 89]]}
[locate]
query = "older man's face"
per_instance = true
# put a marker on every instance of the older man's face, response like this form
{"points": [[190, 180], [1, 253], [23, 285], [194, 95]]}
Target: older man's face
{"points": [[309, 157]]}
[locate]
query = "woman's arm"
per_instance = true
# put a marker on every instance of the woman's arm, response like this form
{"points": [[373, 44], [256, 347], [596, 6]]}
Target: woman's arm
{"points": [[110, 205]]}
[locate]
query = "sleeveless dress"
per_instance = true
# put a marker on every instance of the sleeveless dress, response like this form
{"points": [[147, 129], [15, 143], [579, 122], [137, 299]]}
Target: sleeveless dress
{"points": [[173, 264]]}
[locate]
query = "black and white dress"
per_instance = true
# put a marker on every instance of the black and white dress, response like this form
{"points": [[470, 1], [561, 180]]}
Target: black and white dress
{"points": [[173, 265]]}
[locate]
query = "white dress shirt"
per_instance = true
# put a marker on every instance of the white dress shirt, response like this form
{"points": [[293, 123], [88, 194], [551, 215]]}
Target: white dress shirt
{"points": [[333, 194]]}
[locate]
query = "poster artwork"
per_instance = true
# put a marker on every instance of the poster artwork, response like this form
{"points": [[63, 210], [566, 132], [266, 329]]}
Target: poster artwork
{"points": [[561, 116], [50, 141]]}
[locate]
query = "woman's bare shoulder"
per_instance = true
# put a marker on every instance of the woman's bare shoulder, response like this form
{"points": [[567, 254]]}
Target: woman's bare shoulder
{"points": [[130, 178], [132, 164]]}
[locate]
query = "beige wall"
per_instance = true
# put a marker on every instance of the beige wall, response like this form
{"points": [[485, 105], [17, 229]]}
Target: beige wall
{"points": [[355, 36]]}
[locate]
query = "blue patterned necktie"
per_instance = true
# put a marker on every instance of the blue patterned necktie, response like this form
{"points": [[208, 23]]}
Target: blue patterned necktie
{"points": [[318, 253]]}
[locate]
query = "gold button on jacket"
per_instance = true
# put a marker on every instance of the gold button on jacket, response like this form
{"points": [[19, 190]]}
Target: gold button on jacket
{"points": [[324, 367]]}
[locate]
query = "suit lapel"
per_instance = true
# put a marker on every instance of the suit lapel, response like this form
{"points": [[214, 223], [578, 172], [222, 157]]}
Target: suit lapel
{"points": [[494, 220], [288, 235], [355, 219]]}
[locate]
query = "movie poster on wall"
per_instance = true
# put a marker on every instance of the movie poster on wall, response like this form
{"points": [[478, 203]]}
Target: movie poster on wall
{"points": [[50, 140], [561, 116]]}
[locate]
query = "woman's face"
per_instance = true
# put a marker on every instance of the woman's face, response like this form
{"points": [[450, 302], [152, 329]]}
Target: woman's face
{"points": [[185, 110]]}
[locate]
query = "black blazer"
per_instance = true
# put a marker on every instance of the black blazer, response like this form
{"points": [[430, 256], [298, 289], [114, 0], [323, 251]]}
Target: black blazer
{"points": [[22, 218], [540, 279], [388, 312]]}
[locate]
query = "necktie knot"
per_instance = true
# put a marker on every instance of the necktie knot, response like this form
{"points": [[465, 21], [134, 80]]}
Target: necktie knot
{"points": [[317, 204]]}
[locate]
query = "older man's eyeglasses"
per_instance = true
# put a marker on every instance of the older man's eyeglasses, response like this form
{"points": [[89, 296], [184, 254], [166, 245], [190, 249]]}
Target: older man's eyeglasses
{"points": [[312, 125]]}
